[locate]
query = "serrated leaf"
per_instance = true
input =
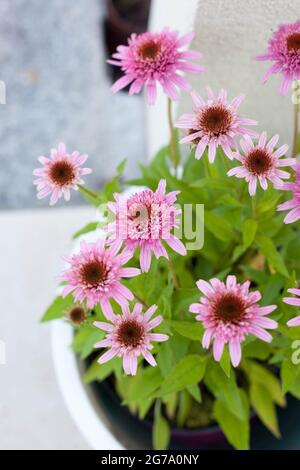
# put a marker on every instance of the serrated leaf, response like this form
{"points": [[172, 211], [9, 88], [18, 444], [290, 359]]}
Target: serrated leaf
{"points": [[190, 370], [195, 392], [85, 339], [58, 308], [225, 362]]}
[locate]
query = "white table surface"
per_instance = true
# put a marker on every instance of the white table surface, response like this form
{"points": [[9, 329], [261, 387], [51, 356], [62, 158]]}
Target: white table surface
{"points": [[32, 411]]}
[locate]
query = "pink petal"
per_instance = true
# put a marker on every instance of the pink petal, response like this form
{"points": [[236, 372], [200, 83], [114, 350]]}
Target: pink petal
{"points": [[235, 352]]}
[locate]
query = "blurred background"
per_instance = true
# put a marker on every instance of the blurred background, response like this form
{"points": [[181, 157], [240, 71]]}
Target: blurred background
{"points": [[52, 60]]}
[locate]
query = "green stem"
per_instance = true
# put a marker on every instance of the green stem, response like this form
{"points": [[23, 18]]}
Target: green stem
{"points": [[140, 300], [88, 191], [175, 278], [296, 128], [253, 201], [172, 136]]}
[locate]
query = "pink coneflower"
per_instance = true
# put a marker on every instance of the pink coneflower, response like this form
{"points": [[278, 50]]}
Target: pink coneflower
{"points": [[214, 123], [294, 203], [95, 276], [155, 57], [128, 336], [144, 220], [296, 302], [229, 312], [260, 162], [60, 173], [284, 51]]}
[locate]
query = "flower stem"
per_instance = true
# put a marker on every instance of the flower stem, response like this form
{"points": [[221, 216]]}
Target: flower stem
{"points": [[173, 143], [139, 299], [253, 201], [175, 278], [88, 191], [296, 125]]}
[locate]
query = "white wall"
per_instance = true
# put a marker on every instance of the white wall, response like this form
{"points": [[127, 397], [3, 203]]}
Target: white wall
{"points": [[229, 33]]}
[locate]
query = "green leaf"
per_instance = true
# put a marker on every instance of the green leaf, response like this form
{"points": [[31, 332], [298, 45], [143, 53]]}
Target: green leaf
{"points": [[275, 259], [237, 431], [259, 374], [289, 375], [218, 226], [225, 389], [191, 330], [58, 308], [85, 339], [99, 372], [195, 392], [225, 362], [261, 401], [161, 430], [86, 229], [146, 382], [190, 370], [184, 408], [121, 167], [164, 358], [249, 232], [257, 350]]}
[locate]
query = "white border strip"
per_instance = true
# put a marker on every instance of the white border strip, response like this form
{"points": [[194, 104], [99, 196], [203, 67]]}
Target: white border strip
{"points": [[178, 15], [76, 398]]}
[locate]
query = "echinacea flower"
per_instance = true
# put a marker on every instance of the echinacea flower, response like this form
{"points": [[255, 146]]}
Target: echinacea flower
{"points": [[144, 220], [60, 173], [229, 312], [260, 162], [76, 315], [152, 58], [128, 336], [296, 302], [95, 276], [294, 203], [284, 51], [214, 123]]}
